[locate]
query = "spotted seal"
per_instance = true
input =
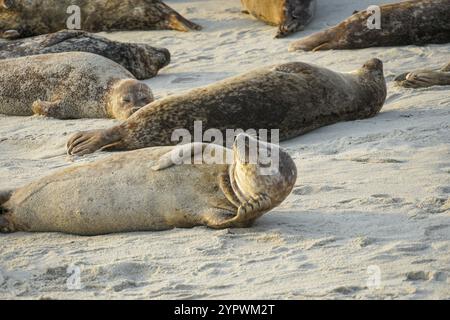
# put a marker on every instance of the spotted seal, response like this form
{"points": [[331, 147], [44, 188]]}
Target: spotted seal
{"points": [[288, 15], [294, 97], [24, 18], [415, 22], [69, 86], [141, 191], [142, 60]]}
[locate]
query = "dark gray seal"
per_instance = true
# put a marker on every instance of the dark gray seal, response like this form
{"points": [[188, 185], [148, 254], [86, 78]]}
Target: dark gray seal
{"points": [[69, 86], [142, 60], [293, 97], [132, 191], [288, 15], [416, 22], [425, 78], [25, 18]]}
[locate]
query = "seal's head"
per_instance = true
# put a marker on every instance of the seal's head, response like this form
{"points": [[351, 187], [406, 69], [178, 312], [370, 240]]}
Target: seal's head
{"points": [[262, 168], [127, 96]]}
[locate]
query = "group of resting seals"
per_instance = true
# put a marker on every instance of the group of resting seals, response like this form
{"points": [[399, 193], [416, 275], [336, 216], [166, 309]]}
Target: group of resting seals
{"points": [[145, 190], [293, 97]]}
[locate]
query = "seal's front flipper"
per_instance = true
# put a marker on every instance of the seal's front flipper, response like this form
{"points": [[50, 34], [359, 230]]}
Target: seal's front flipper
{"points": [[194, 153], [181, 154], [86, 142], [49, 109]]}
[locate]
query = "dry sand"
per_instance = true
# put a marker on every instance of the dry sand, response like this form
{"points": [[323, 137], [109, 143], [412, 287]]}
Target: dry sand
{"points": [[371, 200]]}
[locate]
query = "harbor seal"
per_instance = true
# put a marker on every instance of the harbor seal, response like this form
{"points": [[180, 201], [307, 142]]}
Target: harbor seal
{"points": [[425, 78], [142, 60], [69, 86], [24, 18], [131, 191], [293, 97], [288, 15], [415, 22]]}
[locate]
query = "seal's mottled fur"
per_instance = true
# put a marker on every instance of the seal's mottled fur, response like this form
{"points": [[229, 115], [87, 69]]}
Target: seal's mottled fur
{"points": [[69, 86], [142, 60], [294, 98], [415, 22], [24, 18]]}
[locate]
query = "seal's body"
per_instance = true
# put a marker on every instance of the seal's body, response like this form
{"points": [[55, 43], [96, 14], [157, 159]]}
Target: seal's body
{"points": [[128, 193], [415, 22], [294, 98], [142, 60], [425, 78], [69, 86], [288, 15], [24, 18]]}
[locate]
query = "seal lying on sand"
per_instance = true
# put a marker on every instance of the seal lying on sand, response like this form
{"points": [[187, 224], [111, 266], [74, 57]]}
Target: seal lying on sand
{"points": [[416, 22], [131, 192], [425, 78], [68, 86], [293, 97], [288, 15], [142, 60], [24, 18]]}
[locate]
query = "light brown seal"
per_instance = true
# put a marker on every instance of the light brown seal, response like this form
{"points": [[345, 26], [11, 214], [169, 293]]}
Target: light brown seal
{"points": [[288, 15], [293, 97], [416, 22], [140, 191], [24, 18], [425, 78], [142, 60], [69, 86]]}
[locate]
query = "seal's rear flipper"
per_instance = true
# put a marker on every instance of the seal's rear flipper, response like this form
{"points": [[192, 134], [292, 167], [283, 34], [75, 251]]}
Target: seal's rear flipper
{"points": [[180, 23]]}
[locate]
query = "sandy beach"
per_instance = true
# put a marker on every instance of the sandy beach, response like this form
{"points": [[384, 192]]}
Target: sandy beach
{"points": [[369, 217]]}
